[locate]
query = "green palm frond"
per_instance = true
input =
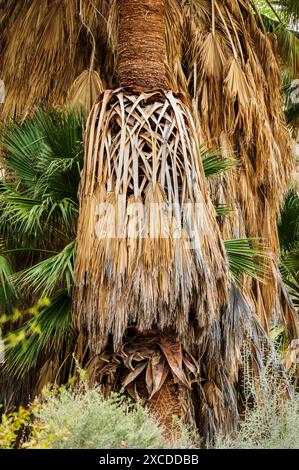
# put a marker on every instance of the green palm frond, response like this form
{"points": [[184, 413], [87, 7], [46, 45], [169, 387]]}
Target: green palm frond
{"points": [[290, 262], [265, 8], [289, 92], [288, 47], [291, 280], [44, 276], [288, 8], [292, 115], [21, 144], [288, 227], [40, 337], [30, 216], [289, 242], [282, 10], [287, 42], [45, 153], [214, 164], [222, 210], [8, 290], [42, 160], [246, 257], [38, 208], [62, 131], [38, 200]]}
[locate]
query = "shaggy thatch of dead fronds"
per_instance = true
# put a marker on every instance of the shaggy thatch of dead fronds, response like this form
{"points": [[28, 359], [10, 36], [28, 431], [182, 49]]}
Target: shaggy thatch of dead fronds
{"points": [[154, 368], [232, 67], [46, 46], [146, 277], [137, 267]]}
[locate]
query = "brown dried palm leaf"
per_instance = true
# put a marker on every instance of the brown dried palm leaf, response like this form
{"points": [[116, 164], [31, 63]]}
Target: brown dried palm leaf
{"points": [[85, 90], [240, 75], [157, 356], [46, 45], [141, 159], [37, 29], [174, 39]]}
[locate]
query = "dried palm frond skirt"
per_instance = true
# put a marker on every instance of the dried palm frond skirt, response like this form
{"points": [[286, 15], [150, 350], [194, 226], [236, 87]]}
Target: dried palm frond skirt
{"points": [[149, 248]]}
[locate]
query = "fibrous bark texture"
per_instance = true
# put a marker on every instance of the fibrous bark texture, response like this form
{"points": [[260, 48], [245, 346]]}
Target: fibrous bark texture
{"points": [[141, 44]]}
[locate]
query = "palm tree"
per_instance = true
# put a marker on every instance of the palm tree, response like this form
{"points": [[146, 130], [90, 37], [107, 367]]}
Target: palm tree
{"points": [[170, 321], [43, 158], [116, 284]]}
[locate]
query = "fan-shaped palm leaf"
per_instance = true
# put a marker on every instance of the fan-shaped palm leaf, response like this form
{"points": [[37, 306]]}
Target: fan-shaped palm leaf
{"points": [[246, 257], [45, 276], [214, 164], [41, 336], [289, 221], [8, 290]]}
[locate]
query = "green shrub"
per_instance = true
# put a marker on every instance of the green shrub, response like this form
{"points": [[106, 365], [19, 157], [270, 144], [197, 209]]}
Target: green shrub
{"points": [[12, 424], [70, 418], [270, 424], [81, 418]]}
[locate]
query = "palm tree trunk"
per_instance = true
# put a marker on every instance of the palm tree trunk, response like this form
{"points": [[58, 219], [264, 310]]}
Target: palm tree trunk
{"points": [[141, 65], [141, 44]]}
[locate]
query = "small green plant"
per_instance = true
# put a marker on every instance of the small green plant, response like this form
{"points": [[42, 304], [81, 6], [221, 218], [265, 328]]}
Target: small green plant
{"points": [[13, 424], [271, 420]]}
